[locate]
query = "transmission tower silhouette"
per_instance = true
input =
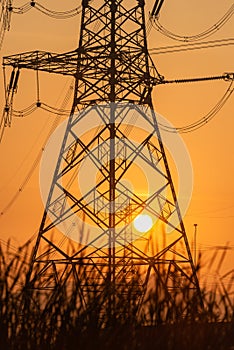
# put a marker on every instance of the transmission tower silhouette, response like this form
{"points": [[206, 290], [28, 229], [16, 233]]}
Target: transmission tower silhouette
{"points": [[87, 233]]}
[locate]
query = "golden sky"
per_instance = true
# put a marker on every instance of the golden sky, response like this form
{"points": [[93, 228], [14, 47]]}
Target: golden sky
{"points": [[210, 147]]}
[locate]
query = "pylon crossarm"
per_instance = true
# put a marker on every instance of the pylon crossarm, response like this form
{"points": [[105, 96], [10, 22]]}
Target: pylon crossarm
{"points": [[65, 63]]}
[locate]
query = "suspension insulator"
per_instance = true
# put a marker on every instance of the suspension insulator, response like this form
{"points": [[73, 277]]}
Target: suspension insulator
{"points": [[16, 80], [11, 79], [157, 8]]}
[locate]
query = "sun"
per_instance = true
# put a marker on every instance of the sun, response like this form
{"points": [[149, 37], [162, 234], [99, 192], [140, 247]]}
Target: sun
{"points": [[143, 223]]}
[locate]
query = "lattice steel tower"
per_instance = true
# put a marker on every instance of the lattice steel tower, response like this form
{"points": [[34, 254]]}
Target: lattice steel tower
{"points": [[111, 138]]}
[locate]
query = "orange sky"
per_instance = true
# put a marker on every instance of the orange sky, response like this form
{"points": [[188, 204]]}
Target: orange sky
{"points": [[210, 148]]}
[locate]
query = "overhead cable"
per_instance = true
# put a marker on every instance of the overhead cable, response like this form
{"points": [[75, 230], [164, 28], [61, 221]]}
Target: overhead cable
{"points": [[189, 38], [34, 106], [38, 157], [7, 9], [9, 112], [191, 46], [205, 119], [51, 13]]}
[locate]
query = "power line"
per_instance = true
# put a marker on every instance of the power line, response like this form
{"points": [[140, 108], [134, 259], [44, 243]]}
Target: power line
{"points": [[38, 157], [34, 106], [217, 210], [36, 5], [186, 38], [7, 9], [205, 119], [191, 46]]}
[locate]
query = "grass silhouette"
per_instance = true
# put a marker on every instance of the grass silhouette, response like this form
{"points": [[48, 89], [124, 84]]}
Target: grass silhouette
{"points": [[163, 323]]}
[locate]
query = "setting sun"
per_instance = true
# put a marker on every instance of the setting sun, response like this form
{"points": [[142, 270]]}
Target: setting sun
{"points": [[143, 223]]}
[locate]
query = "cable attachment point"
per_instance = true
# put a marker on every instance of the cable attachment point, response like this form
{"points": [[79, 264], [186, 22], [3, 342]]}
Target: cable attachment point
{"points": [[228, 76], [38, 104], [159, 80], [33, 3]]}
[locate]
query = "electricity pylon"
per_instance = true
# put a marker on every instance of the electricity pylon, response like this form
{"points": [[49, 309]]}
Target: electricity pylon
{"points": [[114, 77]]}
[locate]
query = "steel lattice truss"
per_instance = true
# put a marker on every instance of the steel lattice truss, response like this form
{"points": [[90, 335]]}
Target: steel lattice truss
{"points": [[114, 77]]}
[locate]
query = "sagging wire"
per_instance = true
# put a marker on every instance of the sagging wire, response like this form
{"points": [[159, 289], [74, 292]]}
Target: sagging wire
{"points": [[205, 119], [54, 14], [208, 32], [24, 182], [34, 106], [7, 9], [38, 157], [9, 112]]}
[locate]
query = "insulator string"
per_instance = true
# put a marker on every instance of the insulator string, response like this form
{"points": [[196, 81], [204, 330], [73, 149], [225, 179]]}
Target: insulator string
{"points": [[10, 91]]}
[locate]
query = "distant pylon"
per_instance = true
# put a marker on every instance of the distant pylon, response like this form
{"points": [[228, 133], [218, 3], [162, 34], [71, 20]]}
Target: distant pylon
{"points": [[111, 135]]}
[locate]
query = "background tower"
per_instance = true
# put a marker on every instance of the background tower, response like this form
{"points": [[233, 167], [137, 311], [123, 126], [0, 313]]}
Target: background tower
{"points": [[114, 77]]}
